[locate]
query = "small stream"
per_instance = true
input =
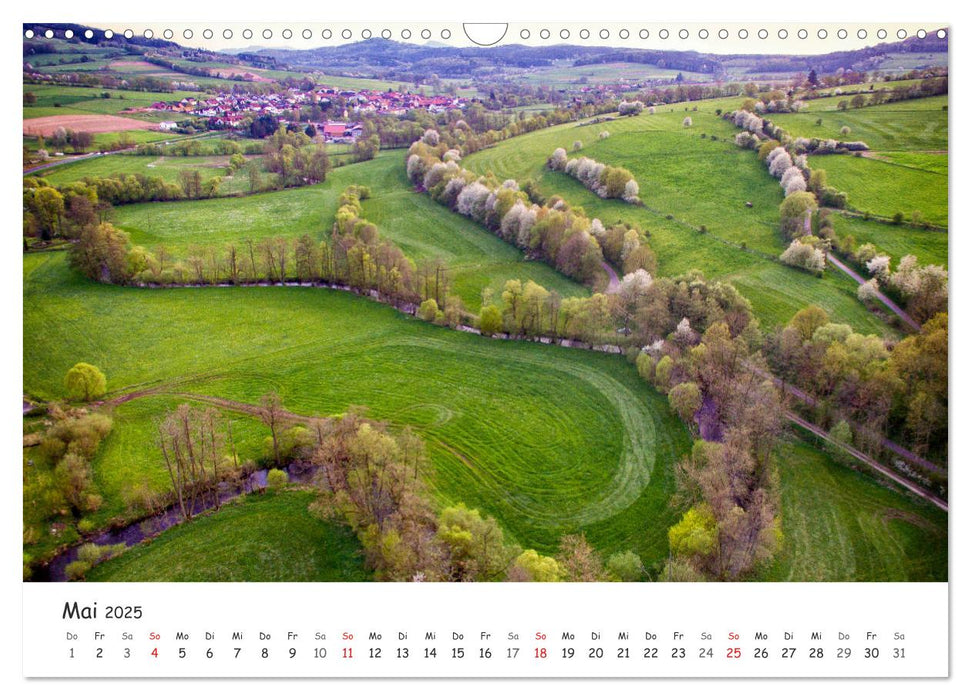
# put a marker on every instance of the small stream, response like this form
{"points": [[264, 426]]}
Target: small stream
{"points": [[152, 525]]}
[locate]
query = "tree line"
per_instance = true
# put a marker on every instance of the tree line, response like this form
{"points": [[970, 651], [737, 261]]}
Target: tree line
{"points": [[606, 181]]}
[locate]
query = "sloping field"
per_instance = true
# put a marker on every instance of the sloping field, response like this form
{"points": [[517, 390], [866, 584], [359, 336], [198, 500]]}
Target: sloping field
{"points": [[423, 229], [688, 181], [885, 188]]}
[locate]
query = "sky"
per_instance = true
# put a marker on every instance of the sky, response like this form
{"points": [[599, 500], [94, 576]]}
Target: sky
{"points": [[711, 37]]}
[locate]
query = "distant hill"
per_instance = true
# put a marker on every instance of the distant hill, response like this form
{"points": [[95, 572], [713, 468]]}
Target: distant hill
{"points": [[391, 59], [399, 61]]}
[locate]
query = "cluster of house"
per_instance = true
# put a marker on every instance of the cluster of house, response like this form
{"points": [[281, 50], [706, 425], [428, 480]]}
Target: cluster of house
{"points": [[228, 110]]}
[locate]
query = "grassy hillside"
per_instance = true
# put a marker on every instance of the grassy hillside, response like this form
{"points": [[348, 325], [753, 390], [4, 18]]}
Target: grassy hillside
{"points": [[53, 100], [420, 227], [885, 187], [687, 182], [269, 537]]}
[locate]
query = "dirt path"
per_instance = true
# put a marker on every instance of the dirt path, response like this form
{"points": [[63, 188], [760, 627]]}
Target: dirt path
{"points": [[901, 314], [614, 284], [887, 443], [873, 464]]}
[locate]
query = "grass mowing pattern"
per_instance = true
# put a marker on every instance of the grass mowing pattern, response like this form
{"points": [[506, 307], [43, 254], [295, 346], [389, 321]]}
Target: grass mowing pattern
{"points": [[897, 241], [269, 537], [547, 439], [840, 525]]}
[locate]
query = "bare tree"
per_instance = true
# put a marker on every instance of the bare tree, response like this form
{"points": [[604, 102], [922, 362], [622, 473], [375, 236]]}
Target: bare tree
{"points": [[272, 413]]}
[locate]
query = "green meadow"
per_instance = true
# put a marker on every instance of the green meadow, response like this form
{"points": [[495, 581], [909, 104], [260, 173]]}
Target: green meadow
{"points": [[886, 187], [165, 167], [546, 439], [687, 182], [421, 228], [269, 537], [53, 100]]}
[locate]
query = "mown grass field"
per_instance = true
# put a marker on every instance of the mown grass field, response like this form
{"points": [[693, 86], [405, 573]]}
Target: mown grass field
{"points": [[423, 229], [546, 439], [269, 537], [886, 187], [696, 182], [840, 525]]}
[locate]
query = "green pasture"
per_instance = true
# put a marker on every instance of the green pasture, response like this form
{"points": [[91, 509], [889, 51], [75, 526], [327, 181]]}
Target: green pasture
{"points": [[423, 229], [840, 525], [268, 537], [546, 439], [687, 182]]}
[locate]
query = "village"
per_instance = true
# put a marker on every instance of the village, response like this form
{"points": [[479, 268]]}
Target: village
{"points": [[232, 110]]}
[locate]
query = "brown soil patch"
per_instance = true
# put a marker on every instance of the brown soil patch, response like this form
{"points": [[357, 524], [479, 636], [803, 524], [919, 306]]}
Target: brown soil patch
{"points": [[247, 73], [912, 518], [132, 64], [93, 123]]}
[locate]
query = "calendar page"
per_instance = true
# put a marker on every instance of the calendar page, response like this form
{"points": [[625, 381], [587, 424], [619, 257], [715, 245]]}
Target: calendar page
{"points": [[522, 349]]}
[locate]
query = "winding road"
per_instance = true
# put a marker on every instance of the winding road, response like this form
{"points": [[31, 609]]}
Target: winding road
{"points": [[613, 284]]}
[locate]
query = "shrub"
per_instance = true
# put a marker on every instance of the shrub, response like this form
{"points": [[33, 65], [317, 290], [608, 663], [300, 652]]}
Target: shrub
{"points": [[85, 382], [685, 400], [796, 212], [428, 310], [275, 478], [805, 256], [867, 292], [625, 566], [76, 570]]}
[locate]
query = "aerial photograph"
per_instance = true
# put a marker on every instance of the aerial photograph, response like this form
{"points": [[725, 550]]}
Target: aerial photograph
{"points": [[384, 304]]}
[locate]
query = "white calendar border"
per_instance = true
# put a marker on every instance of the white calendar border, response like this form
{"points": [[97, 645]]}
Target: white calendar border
{"points": [[704, 10]]}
